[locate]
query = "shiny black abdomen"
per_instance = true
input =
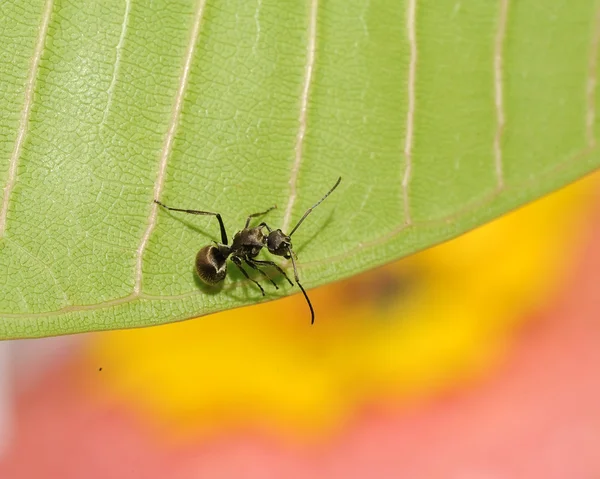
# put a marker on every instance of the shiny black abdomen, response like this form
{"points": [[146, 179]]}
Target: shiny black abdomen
{"points": [[211, 265]]}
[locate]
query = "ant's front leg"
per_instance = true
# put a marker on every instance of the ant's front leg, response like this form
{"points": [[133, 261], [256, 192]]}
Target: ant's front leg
{"points": [[253, 264], [238, 262], [276, 266]]}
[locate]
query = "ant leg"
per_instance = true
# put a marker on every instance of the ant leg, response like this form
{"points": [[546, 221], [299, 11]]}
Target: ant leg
{"points": [[251, 263], [265, 225], [312, 311], [258, 214], [236, 260], [196, 212], [276, 266]]}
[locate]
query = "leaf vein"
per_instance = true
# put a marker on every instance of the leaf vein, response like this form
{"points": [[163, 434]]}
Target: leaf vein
{"points": [[117, 64], [25, 112], [410, 115], [592, 82], [308, 73], [168, 144], [499, 91]]}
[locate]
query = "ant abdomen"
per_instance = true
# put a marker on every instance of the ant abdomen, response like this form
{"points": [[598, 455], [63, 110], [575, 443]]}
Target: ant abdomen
{"points": [[211, 265]]}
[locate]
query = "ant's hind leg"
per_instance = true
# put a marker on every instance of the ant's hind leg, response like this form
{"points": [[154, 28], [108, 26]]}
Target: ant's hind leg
{"points": [[197, 212], [276, 266], [253, 264], [254, 215], [238, 263]]}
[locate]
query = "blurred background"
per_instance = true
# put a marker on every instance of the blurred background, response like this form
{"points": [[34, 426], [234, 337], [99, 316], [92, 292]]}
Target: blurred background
{"points": [[475, 359]]}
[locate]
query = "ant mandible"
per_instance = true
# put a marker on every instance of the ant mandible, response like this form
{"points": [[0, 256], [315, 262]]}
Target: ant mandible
{"points": [[211, 261]]}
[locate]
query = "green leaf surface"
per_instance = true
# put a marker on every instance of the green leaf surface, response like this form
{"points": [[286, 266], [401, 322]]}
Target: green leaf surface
{"points": [[439, 115]]}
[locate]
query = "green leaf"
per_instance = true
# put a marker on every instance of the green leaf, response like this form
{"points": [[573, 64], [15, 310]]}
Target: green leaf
{"points": [[439, 115]]}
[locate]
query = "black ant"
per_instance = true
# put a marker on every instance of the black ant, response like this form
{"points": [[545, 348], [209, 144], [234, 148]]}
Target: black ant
{"points": [[211, 261]]}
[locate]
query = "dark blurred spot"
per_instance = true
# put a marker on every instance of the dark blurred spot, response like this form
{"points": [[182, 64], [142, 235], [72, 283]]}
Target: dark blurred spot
{"points": [[382, 287]]}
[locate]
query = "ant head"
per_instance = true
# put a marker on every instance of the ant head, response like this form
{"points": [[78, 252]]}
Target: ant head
{"points": [[211, 263], [278, 243]]}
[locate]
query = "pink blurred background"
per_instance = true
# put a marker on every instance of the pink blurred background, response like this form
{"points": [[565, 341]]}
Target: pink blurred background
{"points": [[476, 359]]}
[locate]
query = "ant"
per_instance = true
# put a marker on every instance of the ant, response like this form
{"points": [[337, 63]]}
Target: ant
{"points": [[211, 261]]}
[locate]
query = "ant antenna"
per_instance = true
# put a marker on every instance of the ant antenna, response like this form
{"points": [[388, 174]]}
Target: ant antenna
{"points": [[304, 217], [312, 311]]}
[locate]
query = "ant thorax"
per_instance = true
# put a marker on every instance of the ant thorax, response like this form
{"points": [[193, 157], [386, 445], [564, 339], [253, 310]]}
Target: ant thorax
{"points": [[248, 242]]}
